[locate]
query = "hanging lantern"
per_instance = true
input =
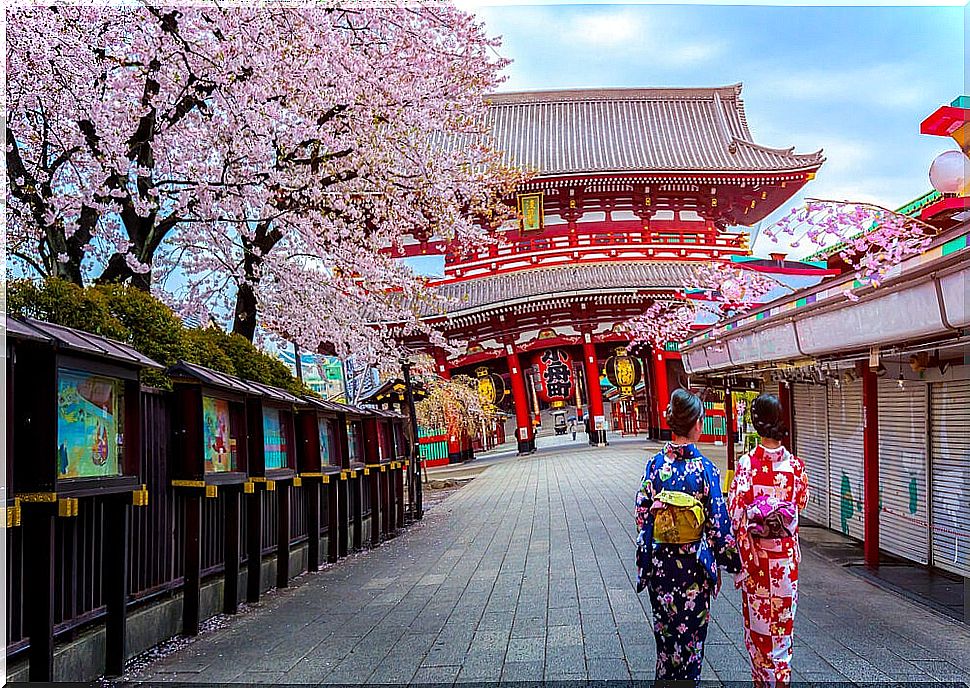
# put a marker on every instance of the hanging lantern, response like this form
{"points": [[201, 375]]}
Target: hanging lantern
{"points": [[556, 376], [623, 372], [491, 387], [950, 172]]}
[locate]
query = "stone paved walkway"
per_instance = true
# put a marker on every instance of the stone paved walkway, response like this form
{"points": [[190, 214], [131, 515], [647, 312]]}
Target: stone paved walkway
{"points": [[526, 574]]}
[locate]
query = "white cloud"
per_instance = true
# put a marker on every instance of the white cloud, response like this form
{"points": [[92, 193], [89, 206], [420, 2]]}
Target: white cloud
{"points": [[609, 28], [889, 85]]}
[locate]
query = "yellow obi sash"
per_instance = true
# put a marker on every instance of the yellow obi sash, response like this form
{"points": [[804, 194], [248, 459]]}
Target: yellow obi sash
{"points": [[678, 518]]}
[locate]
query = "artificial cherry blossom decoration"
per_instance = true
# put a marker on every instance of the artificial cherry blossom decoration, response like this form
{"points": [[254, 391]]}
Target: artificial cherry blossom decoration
{"points": [[663, 322], [869, 238]]}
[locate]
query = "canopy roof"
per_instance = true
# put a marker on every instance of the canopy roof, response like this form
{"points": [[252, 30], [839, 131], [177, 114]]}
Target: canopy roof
{"points": [[76, 341], [633, 130], [560, 281]]}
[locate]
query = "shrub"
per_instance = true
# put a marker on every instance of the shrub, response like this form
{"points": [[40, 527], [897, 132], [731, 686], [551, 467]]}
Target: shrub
{"points": [[141, 320]]}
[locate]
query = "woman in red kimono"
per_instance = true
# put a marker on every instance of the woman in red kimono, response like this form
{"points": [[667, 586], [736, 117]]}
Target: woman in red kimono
{"points": [[769, 489]]}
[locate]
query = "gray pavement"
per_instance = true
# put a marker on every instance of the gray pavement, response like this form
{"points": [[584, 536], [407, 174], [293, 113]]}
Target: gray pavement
{"points": [[526, 574]]}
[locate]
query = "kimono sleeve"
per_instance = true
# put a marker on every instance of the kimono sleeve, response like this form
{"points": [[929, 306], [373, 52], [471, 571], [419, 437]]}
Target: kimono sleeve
{"points": [[644, 498], [717, 528], [740, 497], [801, 483]]}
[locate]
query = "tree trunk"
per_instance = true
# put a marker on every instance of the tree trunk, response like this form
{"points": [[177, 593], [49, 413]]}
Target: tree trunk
{"points": [[244, 321], [247, 306]]}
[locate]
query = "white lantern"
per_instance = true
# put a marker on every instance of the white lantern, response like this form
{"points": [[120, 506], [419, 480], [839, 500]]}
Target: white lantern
{"points": [[950, 172]]}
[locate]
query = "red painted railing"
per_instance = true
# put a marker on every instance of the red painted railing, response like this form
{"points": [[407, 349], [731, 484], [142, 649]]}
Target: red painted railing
{"points": [[608, 241]]}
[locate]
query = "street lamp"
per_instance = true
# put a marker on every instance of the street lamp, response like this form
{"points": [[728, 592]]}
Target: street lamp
{"points": [[415, 462]]}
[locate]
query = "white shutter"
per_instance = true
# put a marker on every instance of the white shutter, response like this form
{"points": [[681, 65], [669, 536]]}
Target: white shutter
{"points": [[950, 470], [811, 446], [903, 518], [845, 458]]}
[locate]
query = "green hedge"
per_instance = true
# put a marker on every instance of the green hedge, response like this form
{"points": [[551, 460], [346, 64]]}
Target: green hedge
{"points": [[141, 320]]}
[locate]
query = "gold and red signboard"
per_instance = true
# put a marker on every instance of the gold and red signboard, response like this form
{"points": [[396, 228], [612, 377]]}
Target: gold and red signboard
{"points": [[530, 212]]}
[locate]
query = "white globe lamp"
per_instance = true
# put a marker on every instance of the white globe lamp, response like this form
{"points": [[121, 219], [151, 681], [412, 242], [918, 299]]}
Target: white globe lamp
{"points": [[950, 172]]}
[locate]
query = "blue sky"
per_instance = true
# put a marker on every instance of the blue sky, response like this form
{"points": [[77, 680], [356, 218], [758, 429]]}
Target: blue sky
{"points": [[853, 81]]}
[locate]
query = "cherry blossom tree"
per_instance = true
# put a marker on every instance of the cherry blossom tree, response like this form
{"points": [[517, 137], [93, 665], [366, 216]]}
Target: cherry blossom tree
{"points": [[264, 155], [456, 405]]}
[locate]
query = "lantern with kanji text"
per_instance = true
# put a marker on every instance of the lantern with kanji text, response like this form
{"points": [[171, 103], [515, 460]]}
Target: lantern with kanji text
{"points": [[555, 369]]}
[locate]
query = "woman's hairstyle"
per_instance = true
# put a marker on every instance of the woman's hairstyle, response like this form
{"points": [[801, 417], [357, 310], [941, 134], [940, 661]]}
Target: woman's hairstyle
{"points": [[768, 417], [683, 412]]}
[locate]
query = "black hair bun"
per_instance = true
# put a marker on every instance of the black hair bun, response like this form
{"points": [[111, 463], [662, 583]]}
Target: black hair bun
{"points": [[683, 412], [768, 417]]}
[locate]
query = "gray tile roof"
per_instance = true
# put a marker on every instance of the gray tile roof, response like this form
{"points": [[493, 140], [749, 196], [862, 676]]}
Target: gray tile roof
{"points": [[559, 281], [633, 130], [78, 341]]}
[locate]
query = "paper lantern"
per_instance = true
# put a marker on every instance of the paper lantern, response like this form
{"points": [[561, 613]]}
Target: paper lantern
{"points": [[555, 375], [623, 372], [491, 387], [950, 172]]}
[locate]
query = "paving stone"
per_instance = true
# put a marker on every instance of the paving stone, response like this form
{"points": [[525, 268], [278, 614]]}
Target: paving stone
{"points": [[526, 650], [527, 563]]}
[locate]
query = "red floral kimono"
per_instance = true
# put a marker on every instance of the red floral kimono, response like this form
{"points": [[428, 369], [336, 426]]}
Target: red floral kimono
{"points": [[769, 566]]}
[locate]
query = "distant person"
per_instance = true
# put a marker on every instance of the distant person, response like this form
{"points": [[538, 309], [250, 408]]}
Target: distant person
{"points": [[685, 535], [572, 427], [769, 489]]}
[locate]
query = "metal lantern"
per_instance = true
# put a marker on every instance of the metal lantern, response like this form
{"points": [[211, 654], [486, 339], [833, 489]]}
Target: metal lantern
{"points": [[555, 369], [623, 372], [491, 387]]}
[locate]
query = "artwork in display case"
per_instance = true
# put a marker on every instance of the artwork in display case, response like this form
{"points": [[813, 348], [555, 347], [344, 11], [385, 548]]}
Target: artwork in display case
{"points": [[274, 439], [326, 440], [90, 425], [220, 448], [353, 437]]}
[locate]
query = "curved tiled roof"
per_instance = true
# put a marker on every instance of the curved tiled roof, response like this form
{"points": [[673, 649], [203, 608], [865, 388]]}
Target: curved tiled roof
{"points": [[633, 130], [559, 281]]}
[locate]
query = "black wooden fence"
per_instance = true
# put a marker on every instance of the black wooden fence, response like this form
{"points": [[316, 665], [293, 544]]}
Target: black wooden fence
{"points": [[156, 540]]}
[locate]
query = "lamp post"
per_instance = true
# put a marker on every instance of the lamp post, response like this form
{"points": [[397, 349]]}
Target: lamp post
{"points": [[415, 464]]}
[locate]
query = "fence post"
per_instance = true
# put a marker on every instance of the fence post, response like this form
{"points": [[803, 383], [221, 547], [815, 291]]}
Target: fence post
{"points": [[115, 582], [254, 545], [283, 534], [376, 512], [38, 525], [230, 588], [191, 590], [312, 488], [333, 520], [357, 509]]}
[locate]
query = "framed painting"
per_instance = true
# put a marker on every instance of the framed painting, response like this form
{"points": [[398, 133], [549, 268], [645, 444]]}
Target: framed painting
{"points": [[90, 424], [219, 445]]}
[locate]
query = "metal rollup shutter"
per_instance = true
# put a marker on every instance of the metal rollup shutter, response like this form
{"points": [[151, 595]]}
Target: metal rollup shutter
{"points": [[845, 458], [903, 468], [950, 471], [811, 446]]}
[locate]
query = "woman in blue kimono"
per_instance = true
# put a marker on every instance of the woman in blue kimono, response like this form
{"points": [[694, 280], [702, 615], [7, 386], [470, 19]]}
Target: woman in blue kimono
{"points": [[685, 535]]}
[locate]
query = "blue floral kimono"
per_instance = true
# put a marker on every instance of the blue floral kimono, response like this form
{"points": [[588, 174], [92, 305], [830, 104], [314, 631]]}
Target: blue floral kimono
{"points": [[681, 578]]}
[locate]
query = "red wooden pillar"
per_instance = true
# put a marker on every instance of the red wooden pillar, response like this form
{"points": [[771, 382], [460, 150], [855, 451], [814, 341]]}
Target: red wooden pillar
{"points": [[662, 391], [523, 416], [870, 466], [597, 437], [784, 397]]}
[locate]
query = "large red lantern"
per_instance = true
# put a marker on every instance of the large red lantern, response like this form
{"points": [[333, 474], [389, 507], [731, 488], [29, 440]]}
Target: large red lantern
{"points": [[555, 376]]}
